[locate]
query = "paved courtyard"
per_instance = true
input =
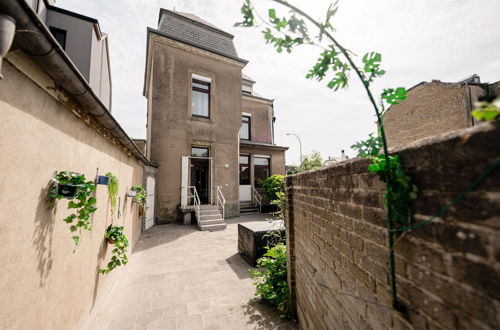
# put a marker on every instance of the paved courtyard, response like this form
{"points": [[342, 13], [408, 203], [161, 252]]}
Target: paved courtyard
{"points": [[182, 278]]}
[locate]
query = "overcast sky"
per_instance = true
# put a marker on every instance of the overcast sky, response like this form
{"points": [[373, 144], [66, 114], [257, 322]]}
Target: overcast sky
{"points": [[419, 40]]}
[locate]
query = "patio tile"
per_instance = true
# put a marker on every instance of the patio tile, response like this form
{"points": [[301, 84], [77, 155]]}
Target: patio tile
{"points": [[182, 278]]}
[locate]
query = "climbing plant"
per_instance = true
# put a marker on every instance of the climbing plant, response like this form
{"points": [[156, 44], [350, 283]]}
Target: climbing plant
{"points": [[336, 64], [114, 235], [113, 186], [78, 190]]}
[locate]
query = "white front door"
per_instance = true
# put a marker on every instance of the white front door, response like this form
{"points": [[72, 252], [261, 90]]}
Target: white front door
{"points": [[150, 202], [245, 192]]}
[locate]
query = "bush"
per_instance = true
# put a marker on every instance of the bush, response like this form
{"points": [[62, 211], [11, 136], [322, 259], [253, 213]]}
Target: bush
{"points": [[273, 185], [271, 282]]}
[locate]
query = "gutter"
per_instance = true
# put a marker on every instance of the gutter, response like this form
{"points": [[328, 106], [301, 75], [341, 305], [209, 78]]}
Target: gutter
{"points": [[33, 37]]}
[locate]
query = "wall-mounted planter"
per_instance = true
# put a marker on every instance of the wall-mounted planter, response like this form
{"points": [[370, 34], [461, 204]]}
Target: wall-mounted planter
{"points": [[111, 241], [131, 193], [102, 179], [67, 190]]}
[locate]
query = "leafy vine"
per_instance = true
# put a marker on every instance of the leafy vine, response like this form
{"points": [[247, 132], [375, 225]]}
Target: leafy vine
{"points": [[114, 235], [75, 187], [113, 186]]}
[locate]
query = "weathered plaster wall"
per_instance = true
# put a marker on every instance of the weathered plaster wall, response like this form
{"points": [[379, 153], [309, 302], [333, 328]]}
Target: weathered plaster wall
{"points": [[431, 109], [43, 284], [448, 271], [173, 130], [261, 122]]}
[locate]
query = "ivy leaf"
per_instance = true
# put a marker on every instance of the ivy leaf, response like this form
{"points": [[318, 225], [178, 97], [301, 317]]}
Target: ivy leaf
{"points": [[272, 14], [487, 111]]}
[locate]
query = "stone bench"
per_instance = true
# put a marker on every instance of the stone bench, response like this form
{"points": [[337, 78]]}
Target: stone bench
{"points": [[251, 240]]}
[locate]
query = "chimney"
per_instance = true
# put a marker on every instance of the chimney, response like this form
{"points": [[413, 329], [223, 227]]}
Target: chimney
{"points": [[436, 81]]}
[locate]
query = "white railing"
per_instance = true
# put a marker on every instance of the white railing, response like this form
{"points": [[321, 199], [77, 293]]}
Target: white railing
{"points": [[220, 200], [196, 202], [256, 198]]}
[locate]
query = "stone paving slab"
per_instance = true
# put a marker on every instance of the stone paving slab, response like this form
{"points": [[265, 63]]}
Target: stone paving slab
{"points": [[182, 278]]}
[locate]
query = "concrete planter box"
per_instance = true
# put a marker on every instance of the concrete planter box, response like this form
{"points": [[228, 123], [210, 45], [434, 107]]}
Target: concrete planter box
{"points": [[251, 240]]}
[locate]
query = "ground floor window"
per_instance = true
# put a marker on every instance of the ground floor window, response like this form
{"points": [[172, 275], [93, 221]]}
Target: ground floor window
{"points": [[262, 170], [244, 169]]}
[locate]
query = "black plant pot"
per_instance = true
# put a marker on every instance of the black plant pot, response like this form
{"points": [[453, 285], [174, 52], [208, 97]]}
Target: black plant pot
{"points": [[102, 179], [67, 190]]}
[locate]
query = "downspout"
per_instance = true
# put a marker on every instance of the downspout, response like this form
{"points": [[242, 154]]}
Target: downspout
{"points": [[7, 31], [33, 37]]}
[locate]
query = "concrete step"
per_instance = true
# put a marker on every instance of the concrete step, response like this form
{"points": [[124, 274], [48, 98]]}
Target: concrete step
{"points": [[247, 204], [210, 216], [249, 210], [211, 211], [213, 227], [212, 222], [208, 207]]}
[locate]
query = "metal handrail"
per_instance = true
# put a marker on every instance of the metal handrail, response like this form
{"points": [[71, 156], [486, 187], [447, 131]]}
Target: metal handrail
{"points": [[256, 198], [219, 199], [196, 203]]}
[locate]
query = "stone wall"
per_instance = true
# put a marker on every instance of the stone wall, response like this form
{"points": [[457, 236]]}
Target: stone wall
{"points": [[448, 271]]}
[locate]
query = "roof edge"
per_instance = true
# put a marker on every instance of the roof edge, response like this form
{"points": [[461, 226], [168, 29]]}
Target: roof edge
{"points": [[163, 10], [166, 35]]}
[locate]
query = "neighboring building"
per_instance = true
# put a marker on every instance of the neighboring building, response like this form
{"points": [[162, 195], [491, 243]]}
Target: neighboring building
{"points": [[206, 126], [335, 160], [84, 42], [433, 108]]}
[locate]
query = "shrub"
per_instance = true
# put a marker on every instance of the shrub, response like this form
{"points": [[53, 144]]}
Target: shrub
{"points": [[271, 282], [273, 185]]}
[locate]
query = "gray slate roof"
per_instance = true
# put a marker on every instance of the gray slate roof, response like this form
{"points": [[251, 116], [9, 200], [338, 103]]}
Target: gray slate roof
{"points": [[195, 31]]}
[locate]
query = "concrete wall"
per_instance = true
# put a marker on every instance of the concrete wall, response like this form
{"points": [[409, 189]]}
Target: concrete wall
{"points": [[448, 271], [431, 109], [45, 285], [172, 130], [261, 122]]}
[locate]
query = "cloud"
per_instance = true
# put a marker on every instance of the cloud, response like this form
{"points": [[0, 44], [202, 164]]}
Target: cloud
{"points": [[419, 40]]}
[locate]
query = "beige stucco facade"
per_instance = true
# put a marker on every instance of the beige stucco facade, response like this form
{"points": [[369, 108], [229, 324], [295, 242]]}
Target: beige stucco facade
{"points": [[45, 285], [173, 130]]}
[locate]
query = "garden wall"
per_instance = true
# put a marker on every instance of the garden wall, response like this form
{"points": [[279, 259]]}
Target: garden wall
{"points": [[448, 271], [43, 284]]}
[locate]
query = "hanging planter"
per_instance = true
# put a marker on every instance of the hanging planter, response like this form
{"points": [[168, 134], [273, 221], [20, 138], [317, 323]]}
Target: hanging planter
{"points": [[114, 235], [131, 193], [102, 179], [68, 191]]}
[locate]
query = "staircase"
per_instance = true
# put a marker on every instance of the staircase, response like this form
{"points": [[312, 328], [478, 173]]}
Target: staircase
{"points": [[248, 207], [211, 218]]}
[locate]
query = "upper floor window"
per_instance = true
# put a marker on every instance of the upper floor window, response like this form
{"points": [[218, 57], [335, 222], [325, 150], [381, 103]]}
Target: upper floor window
{"points": [[245, 128], [200, 98], [199, 152], [60, 36]]}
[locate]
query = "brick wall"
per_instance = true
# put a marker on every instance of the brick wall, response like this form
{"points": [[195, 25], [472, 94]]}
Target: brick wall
{"points": [[448, 272], [431, 108]]}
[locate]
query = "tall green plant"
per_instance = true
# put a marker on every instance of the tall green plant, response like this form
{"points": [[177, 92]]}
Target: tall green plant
{"points": [[271, 279], [83, 202], [336, 64], [113, 187], [115, 235]]}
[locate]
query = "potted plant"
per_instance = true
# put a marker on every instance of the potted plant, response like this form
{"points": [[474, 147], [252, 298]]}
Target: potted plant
{"points": [[139, 198], [66, 184], [102, 179], [113, 186], [74, 186], [114, 235]]}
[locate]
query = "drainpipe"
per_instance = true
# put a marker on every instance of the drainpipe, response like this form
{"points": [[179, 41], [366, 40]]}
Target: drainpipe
{"points": [[7, 31], [33, 37]]}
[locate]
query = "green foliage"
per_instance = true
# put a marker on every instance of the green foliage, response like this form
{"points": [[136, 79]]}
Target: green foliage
{"points": [[271, 281], [487, 111], [392, 96], [247, 11], [273, 185], [368, 147], [83, 202], [279, 201], [400, 191], [371, 63], [140, 197], [119, 258], [329, 59], [113, 186], [311, 162]]}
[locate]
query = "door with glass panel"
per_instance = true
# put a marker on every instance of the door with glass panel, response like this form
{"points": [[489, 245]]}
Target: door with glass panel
{"points": [[245, 185]]}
